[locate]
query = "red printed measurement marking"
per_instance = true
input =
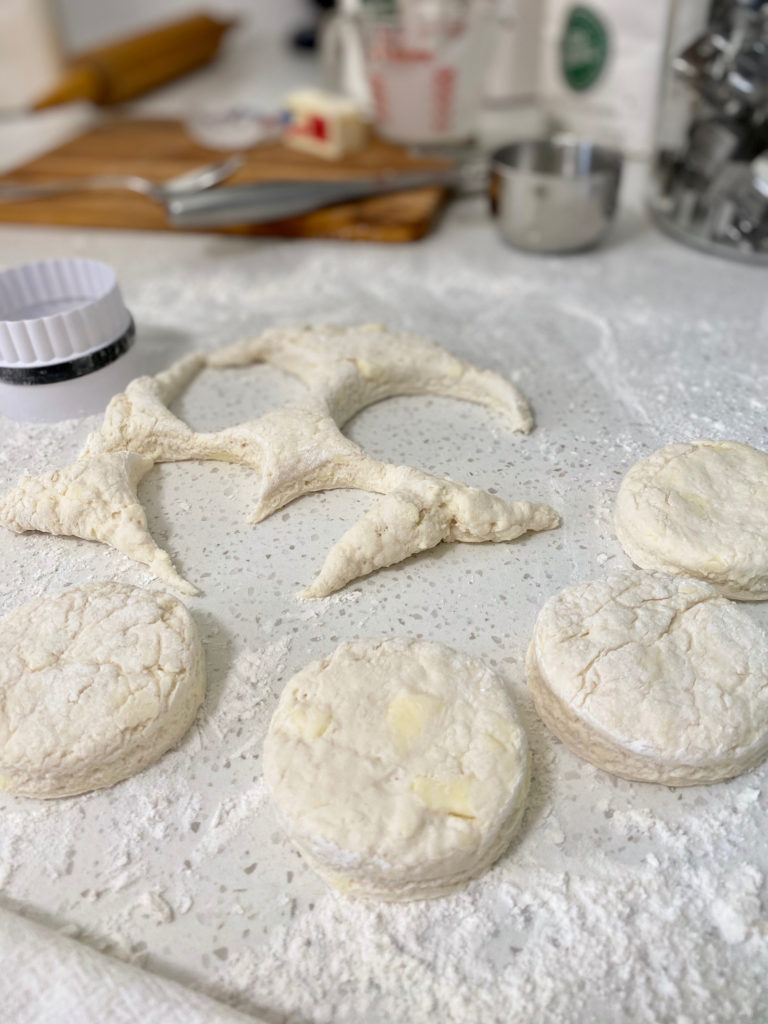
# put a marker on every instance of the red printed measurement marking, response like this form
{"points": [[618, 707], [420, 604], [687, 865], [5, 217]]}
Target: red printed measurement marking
{"points": [[386, 48], [445, 88], [379, 91], [409, 56]]}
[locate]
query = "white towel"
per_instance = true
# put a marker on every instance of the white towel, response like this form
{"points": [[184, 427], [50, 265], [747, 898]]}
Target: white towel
{"points": [[46, 978]]}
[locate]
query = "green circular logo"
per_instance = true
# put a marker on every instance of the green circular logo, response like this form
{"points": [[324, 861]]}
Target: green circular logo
{"points": [[583, 48]]}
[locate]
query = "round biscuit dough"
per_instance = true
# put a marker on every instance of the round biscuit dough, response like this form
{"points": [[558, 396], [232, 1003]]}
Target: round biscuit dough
{"points": [[399, 768], [652, 678], [700, 509], [96, 683]]}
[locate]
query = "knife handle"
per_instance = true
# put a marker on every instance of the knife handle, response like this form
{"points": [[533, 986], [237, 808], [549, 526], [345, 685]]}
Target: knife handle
{"points": [[267, 201]]}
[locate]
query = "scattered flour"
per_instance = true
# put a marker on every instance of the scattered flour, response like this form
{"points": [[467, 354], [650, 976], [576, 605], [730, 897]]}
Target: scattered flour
{"points": [[619, 902], [527, 944]]}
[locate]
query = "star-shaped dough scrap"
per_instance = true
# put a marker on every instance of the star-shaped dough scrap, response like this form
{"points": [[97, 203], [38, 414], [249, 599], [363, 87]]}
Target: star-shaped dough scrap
{"points": [[94, 498], [420, 513], [350, 368], [138, 419], [298, 450]]}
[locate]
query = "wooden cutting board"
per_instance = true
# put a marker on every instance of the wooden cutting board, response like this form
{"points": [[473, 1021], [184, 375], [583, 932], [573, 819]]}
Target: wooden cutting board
{"points": [[162, 149]]}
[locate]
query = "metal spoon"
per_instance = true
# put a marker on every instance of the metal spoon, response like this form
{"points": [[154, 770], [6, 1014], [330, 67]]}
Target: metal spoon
{"points": [[197, 180]]}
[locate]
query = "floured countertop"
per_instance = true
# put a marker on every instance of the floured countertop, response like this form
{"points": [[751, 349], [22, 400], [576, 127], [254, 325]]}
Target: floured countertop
{"points": [[619, 901]]}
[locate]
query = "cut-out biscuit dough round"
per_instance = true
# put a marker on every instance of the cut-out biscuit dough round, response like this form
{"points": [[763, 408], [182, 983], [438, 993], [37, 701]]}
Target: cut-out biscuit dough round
{"points": [[96, 683], [399, 768], [652, 678], [700, 509]]}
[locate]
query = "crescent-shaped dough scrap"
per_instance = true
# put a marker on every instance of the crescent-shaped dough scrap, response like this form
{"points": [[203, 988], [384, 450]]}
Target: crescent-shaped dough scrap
{"points": [[352, 367], [422, 512], [94, 498]]}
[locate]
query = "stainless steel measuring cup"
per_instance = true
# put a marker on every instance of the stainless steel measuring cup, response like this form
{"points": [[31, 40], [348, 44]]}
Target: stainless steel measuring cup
{"points": [[554, 195]]}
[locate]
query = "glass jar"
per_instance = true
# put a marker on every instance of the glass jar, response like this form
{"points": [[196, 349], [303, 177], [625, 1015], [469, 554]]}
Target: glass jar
{"points": [[710, 175]]}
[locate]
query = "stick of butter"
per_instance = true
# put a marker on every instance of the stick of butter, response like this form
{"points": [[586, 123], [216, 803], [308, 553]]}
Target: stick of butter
{"points": [[324, 123]]}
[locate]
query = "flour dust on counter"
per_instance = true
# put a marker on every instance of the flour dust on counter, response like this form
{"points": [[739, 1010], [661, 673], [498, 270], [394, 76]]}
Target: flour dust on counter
{"points": [[574, 926], [617, 902]]}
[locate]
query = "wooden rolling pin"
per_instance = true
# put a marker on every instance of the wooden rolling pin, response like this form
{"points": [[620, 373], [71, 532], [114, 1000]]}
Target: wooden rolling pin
{"points": [[130, 67]]}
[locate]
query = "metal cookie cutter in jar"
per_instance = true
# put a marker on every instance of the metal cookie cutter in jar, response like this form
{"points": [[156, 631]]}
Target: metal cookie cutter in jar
{"points": [[426, 63], [66, 340], [710, 186]]}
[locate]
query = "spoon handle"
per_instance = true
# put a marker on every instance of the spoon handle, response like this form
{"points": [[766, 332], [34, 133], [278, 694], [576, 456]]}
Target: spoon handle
{"points": [[61, 186]]}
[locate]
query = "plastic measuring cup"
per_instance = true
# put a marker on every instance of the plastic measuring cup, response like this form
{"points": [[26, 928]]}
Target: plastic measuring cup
{"points": [[426, 66]]}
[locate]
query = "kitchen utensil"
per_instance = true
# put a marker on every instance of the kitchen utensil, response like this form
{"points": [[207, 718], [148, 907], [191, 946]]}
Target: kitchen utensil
{"points": [[426, 68], [160, 149], [268, 201], [66, 339], [127, 68], [189, 182], [554, 195], [727, 64], [713, 128]]}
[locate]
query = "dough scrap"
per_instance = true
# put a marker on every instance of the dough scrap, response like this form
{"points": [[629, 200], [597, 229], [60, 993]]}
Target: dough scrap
{"points": [[652, 678], [420, 513], [95, 499], [700, 509], [295, 450], [299, 450], [400, 768], [302, 451], [349, 368], [138, 419], [96, 684]]}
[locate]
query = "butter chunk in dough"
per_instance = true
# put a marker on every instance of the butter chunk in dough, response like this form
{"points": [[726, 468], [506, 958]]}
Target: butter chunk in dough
{"points": [[700, 509], [400, 768], [422, 512], [652, 678], [350, 368], [95, 499], [96, 683]]}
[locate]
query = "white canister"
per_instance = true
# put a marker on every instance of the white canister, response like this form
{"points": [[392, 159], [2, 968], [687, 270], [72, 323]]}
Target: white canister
{"points": [[31, 57]]}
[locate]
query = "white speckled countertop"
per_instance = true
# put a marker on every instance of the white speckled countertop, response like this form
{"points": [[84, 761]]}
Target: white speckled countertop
{"points": [[618, 902]]}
